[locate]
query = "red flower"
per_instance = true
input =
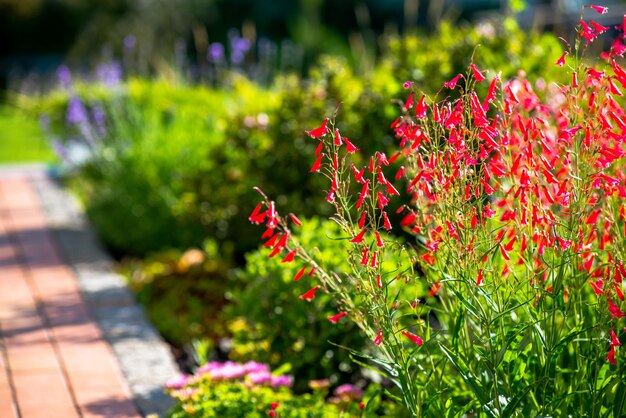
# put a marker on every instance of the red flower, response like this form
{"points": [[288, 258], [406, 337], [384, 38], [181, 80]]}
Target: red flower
{"points": [[615, 310], [289, 257], [600, 9], [379, 282], [362, 219], [417, 340], [452, 83], [611, 356], [338, 140], [295, 219], [479, 280], [614, 339], [359, 237], [379, 338], [350, 146], [335, 318], [309, 295], [420, 109], [363, 194], [561, 60], [386, 223], [478, 76], [318, 132], [299, 274], [379, 240], [318, 164]]}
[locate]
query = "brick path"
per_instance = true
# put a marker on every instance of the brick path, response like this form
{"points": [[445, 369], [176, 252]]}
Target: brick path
{"points": [[54, 359]]}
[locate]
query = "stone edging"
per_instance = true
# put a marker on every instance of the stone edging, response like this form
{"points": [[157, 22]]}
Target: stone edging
{"points": [[145, 359]]}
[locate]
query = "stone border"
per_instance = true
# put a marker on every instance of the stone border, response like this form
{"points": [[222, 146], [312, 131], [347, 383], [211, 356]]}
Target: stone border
{"points": [[145, 359]]}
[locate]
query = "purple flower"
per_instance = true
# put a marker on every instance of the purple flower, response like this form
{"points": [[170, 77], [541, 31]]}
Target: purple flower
{"points": [[110, 74], [76, 112], [129, 42], [65, 76], [260, 377], [99, 119], [178, 382], [215, 52], [207, 368], [349, 391], [282, 380], [228, 371]]}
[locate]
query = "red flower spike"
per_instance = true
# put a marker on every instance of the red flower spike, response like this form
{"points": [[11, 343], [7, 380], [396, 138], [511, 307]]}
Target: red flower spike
{"points": [[478, 76], [318, 164], [452, 83], [299, 274], [289, 257], [272, 241], [420, 109], [374, 261], [479, 280], [365, 257], [255, 213], [615, 311], [598, 27], [272, 413], [359, 238], [309, 295], [593, 217], [400, 173], [600, 9], [504, 253], [379, 282], [363, 194], [408, 220], [362, 219], [611, 356], [335, 318], [295, 219], [274, 405], [338, 140], [268, 233], [386, 223], [350, 148], [417, 340], [614, 339], [319, 148], [379, 241], [379, 338], [318, 132], [561, 61]]}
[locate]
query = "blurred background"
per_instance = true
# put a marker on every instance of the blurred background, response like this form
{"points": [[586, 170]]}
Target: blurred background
{"points": [[162, 115], [39, 35]]}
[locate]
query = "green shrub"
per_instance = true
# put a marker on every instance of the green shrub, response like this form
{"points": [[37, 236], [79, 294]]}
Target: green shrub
{"points": [[268, 322]]}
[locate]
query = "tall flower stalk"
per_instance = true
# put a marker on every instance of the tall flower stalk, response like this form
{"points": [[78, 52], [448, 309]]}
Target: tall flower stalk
{"points": [[509, 299]]}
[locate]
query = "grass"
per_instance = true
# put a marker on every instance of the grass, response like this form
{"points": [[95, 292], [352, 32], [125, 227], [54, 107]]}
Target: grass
{"points": [[21, 139]]}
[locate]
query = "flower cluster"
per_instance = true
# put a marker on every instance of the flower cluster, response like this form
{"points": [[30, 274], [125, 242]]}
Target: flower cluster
{"points": [[515, 196]]}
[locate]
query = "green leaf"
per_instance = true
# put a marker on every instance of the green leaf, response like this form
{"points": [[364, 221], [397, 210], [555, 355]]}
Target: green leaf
{"points": [[620, 400], [478, 390]]}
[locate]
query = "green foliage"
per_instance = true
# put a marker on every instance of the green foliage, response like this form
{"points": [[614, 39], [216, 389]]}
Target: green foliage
{"points": [[269, 323], [22, 140]]}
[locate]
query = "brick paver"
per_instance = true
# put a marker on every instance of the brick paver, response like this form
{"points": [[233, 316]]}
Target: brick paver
{"points": [[54, 360]]}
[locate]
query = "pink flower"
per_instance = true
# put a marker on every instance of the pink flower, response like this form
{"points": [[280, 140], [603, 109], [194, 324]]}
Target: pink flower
{"points": [[281, 381], [178, 382], [452, 83], [349, 391]]}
